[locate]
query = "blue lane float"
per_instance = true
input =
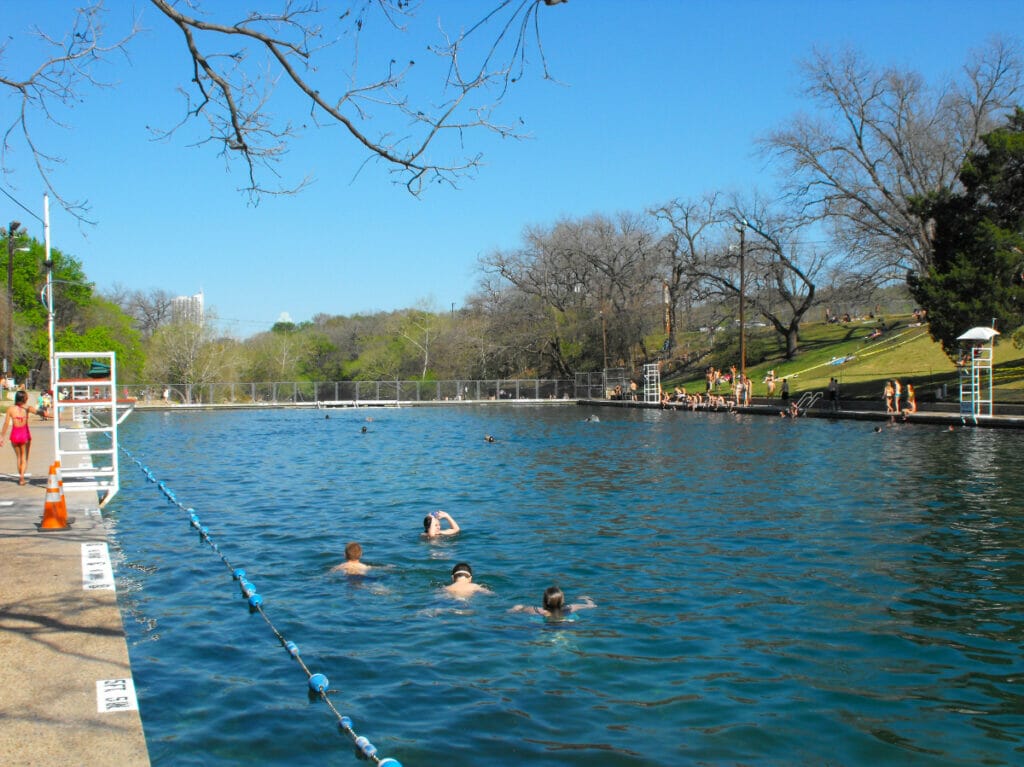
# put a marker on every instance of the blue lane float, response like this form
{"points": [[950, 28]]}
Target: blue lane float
{"points": [[319, 685]]}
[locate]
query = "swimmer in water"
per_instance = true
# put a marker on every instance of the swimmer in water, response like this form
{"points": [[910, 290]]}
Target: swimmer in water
{"points": [[489, 438], [352, 565], [554, 605], [432, 524], [462, 586]]}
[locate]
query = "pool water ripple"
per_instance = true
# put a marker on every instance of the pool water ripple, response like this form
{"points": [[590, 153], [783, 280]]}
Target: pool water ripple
{"points": [[768, 591]]}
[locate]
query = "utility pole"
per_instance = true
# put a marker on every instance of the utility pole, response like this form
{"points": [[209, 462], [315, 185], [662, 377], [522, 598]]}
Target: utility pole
{"points": [[12, 231], [742, 229], [604, 336]]}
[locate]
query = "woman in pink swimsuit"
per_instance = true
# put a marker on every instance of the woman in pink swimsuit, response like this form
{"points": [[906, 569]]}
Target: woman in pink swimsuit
{"points": [[21, 437]]}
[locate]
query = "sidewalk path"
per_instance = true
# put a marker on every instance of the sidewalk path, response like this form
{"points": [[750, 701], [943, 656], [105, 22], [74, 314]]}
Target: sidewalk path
{"points": [[63, 655]]}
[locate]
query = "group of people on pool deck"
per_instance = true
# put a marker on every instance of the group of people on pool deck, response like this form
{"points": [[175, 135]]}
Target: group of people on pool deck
{"points": [[462, 586]]}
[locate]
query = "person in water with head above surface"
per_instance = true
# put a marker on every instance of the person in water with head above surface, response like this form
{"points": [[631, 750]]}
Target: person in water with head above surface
{"points": [[432, 524], [554, 605], [352, 565], [462, 586]]}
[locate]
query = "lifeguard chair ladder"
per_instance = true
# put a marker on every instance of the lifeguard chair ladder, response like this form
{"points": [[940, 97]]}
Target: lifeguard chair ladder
{"points": [[652, 383], [976, 373], [85, 418]]}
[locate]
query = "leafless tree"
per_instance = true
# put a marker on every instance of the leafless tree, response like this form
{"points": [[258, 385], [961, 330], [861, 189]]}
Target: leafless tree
{"points": [[593, 279], [785, 270], [693, 228], [236, 60], [882, 137], [148, 310], [778, 273]]}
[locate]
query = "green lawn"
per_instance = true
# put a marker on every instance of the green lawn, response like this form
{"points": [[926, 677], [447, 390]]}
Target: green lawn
{"points": [[861, 365]]}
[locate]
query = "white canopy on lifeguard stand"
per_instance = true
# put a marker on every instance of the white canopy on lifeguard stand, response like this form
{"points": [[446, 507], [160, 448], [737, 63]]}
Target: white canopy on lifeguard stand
{"points": [[976, 372]]}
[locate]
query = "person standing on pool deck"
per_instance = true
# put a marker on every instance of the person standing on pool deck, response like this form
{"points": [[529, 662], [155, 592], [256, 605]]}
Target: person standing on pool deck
{"points": [[21, 437], [785, 390], [554, 605], [462, 586], [911, 398], [352, 565], [432, 524]]}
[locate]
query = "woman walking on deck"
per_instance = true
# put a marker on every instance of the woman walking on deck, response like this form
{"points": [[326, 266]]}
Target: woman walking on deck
{"points": [[21, 437]]}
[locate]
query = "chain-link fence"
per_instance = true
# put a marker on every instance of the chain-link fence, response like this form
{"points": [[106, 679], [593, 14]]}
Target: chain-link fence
{"points": [[355, 392], [612, 383]]}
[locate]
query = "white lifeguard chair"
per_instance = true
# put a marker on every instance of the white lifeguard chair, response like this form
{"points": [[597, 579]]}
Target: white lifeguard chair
{"points": [[83, 406], [975, 366]]}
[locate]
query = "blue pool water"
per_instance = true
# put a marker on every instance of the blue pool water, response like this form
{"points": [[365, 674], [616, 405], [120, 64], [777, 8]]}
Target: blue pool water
{"points": [[769, 592]]}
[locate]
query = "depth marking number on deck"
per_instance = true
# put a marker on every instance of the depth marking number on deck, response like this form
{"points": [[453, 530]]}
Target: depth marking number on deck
{"points": [[97, 573], [116, 695]]}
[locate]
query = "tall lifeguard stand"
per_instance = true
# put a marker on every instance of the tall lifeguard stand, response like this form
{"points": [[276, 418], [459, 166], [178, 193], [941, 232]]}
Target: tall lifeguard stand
{"points": [[975, 367], [652, 382], [86, 404]]}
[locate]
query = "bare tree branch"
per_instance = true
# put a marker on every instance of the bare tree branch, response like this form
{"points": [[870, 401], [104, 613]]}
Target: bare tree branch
{"points": [[883, 137], [57, 82], [246, 71]]}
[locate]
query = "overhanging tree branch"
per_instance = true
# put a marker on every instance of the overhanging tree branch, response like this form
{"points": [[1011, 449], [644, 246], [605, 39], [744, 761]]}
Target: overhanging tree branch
{"points": [[237, 66]]}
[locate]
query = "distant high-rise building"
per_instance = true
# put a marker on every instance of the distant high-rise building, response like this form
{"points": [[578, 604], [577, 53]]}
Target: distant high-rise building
{"points": [[187, 308]]}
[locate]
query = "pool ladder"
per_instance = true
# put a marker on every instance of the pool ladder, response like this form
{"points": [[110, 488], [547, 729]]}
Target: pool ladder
{"points": [[807, 400]]}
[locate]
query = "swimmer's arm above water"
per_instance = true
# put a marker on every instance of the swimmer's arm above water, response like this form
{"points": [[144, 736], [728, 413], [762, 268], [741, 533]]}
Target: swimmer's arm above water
{"points": [[454, 525], [581, 605]]}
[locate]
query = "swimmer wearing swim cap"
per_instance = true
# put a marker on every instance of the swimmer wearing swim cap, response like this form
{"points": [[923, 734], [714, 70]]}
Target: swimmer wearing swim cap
{"points": [[462, 585]]}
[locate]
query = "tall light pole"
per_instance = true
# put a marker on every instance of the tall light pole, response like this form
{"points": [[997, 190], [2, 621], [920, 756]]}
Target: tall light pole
{"points": [[49, 291], [741, 227]]}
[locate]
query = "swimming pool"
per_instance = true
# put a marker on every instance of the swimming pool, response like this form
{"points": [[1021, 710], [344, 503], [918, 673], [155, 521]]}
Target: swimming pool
{"points": [[769, 591]]}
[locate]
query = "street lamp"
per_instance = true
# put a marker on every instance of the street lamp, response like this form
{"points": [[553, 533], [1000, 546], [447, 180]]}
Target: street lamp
{"points": [[741, 227]]}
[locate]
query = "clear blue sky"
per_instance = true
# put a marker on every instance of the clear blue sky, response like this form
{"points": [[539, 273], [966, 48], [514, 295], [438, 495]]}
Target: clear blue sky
{"points": [[657, 99]]}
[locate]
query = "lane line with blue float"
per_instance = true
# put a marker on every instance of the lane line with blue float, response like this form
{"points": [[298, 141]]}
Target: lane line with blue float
{"points": [[318, 683]]}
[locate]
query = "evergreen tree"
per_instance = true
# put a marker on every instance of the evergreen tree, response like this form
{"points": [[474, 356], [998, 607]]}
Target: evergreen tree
{"points": [[976, 274]]}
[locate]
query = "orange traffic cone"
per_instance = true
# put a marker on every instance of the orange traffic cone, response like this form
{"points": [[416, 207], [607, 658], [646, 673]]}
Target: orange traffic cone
{"points": [[60, 487], [53, 517]]}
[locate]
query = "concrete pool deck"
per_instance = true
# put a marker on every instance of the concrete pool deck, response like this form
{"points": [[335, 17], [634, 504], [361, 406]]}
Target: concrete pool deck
{"points": [[945, 414], [64, 666]]}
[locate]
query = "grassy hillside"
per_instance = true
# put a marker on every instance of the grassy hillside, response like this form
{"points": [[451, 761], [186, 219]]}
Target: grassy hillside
{"points": [[905, 351]]}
